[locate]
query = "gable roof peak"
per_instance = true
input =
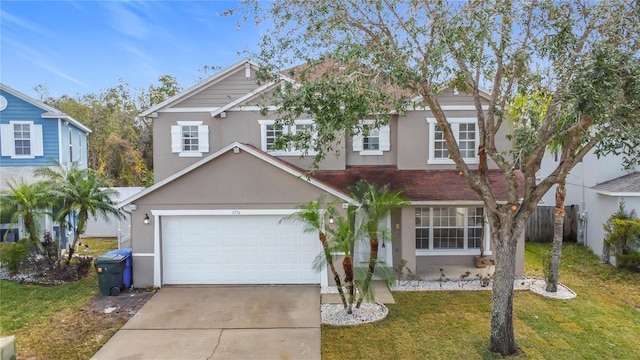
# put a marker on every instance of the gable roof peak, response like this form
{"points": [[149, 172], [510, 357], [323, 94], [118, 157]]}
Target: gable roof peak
{"points": [[200, 85], [50, 112]]}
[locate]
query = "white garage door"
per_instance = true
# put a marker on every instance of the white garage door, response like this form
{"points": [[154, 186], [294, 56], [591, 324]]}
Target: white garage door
{"points": [[238, 249]]}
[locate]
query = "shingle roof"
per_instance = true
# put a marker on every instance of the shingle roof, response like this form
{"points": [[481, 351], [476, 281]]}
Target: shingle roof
{"points": [[417, 185], [624, 185]]}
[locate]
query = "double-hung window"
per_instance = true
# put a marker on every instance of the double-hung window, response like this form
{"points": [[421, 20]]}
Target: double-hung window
{"points": [[21, 139], [465, 131], [372, 140], [271, 131], [454, 229], [189, 138]]}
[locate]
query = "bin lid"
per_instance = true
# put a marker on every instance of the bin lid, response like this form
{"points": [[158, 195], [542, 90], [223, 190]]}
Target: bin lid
{"points": [[110, 259]]}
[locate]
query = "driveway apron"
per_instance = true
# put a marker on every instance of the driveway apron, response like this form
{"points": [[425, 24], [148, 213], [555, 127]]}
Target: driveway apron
{"points": [[222, 322]]}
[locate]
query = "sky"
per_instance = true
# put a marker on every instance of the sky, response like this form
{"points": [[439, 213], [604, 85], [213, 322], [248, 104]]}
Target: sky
{"points": [[79, 47]]}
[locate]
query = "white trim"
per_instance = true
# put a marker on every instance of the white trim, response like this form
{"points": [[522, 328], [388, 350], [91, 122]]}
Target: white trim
{"points": [[223, 212], [189, 123], [254, 108], [242, 99], [157, 272], [248, 150], [214, 109], [449, 203], [371, 152], [143, 254], [617, 193], [455, 129], [187, 110], [421, 252]]}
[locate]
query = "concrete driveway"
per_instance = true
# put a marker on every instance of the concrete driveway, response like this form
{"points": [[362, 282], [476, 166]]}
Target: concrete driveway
{"points": [[222, 322]]}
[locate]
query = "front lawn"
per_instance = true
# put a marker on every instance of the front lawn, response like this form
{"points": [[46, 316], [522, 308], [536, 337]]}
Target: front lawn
{"points": [[603, 322], [52, 322]]}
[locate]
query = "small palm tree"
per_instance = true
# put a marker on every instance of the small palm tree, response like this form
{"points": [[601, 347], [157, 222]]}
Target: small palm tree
{"points": [[311, 215], [82, 192], [377, 203], [29, 203], [342, 237]]}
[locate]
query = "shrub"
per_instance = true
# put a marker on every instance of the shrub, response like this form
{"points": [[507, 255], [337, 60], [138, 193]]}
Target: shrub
{"points": [[11, 254], [622, 233], [629, 261]]}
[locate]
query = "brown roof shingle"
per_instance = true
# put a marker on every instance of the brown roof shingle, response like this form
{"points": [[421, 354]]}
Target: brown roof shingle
{"points": [[417, 185]]}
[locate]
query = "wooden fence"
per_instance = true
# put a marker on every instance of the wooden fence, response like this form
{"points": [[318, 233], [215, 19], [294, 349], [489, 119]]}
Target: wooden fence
{"points": [[540, 226]]}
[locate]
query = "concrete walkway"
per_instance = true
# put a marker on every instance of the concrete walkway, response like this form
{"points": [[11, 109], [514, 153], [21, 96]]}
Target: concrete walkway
{"points": [[222, 322], [380, 289]]}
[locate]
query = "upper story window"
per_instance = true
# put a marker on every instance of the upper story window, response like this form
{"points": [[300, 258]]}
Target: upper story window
{"points": [[189, 138], [21, 139], [449, 229], [270, 131], [465, 130], [372, 141]]}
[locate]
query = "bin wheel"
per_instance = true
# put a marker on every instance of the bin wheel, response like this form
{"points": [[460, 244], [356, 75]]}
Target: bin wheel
{"points": [[115, 291]]}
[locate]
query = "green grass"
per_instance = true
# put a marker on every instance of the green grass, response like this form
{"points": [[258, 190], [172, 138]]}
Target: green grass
{"points": [[603, 322], [51, 322]]}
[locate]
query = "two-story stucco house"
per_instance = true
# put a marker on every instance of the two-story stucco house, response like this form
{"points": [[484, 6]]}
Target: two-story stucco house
{"points": [[32, 135], [212, 216]]}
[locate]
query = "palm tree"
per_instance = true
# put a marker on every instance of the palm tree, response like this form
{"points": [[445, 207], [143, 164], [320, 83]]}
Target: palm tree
{"points": [[377, 203], [29, 203], [82, 192], [342, 238], [312, 215]]}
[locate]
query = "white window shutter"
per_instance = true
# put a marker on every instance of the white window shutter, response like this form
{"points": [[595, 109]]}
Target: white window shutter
{"points": [[357, 142], [176, 138], [37, 146], [6, 130], [385, 138], [203, 138]]}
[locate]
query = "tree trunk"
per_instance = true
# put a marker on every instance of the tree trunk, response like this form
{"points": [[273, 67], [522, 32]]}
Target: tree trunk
{"points": [[502, 337], [336, 276], [373, 259], [347, 265], [558, 232]]}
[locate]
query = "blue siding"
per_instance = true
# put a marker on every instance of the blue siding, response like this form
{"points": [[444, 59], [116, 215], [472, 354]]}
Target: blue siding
{"points": [[79, 155], [55, 145]]}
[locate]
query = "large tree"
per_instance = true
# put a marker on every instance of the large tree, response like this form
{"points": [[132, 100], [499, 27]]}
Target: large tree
{"points": [[583, 53], [120, 145]]}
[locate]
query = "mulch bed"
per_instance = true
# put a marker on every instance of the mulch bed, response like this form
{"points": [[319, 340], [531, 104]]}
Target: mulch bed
{"points": [[127, 303]]}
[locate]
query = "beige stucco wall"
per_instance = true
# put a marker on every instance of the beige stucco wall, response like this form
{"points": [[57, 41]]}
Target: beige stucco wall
{"points": [[240, 126], [231, 181]]}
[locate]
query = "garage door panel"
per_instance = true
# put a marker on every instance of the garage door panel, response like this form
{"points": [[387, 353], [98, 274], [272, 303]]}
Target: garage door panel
{"points": [[236, 250]]}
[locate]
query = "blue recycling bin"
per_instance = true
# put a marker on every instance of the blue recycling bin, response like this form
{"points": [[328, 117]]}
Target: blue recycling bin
{"points": [[126, 274]]}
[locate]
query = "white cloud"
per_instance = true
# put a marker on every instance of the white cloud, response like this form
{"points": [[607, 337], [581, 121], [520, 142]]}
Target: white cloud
{"points": [[126, 21]]}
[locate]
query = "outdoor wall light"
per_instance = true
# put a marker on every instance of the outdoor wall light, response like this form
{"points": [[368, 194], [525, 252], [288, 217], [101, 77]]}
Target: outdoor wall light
{"points": [[146, 219], [331, 219]]}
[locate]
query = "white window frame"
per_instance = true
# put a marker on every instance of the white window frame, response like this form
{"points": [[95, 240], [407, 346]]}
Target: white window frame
{"points": [[70, 135], [431, 251], [286, 129], [79, 148], [177, 145], [384, 140], [455, 126], [35, 139]]}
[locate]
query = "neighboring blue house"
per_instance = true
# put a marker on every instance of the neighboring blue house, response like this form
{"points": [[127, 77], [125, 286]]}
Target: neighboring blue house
{"points": [[32, 135]]}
